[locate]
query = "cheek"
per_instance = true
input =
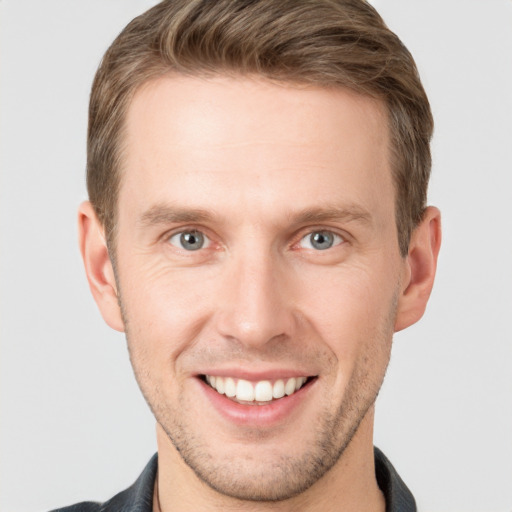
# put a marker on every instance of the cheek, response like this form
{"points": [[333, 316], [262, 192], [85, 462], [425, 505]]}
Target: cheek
{"points": [[351, 309], [163, 309]]}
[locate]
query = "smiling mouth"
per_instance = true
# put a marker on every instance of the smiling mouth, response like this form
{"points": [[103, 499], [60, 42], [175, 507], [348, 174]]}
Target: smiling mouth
{"points": [[261, 392]]}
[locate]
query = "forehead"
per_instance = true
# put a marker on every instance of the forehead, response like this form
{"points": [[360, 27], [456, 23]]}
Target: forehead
{"points": [[261, 139]]}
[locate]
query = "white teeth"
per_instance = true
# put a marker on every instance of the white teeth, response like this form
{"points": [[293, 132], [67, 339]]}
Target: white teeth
{"points": [[289, 387], [219, 385], [300, 382], [230, 387], [278, 391], [244, 391], [261, 391]]}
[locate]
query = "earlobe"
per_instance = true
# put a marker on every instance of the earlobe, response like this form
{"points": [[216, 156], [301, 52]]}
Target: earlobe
{"points": [[420, 270], [98, 266]]}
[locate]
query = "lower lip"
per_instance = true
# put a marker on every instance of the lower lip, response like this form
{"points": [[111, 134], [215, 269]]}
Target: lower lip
{"points": [[268, 415]]}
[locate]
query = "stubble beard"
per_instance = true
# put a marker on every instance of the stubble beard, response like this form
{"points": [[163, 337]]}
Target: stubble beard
{"points": [[287, 476]]}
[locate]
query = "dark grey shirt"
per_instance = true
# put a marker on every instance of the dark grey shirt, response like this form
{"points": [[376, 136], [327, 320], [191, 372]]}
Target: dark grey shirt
{"points": [[139, 497]]}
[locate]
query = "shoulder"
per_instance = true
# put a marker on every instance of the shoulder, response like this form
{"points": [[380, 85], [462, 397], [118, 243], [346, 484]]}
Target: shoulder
{"points": [[137, 498]]}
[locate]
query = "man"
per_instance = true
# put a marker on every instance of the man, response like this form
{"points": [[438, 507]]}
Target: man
{"points": [[257, 226]]}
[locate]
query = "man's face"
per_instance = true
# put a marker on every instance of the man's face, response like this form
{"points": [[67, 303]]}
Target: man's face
{"points": [[257, 251]]}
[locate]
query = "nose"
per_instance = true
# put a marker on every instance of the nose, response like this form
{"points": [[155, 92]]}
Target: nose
{"points": [[256, 304]]}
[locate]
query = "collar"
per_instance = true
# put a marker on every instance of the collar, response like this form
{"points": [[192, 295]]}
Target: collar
{"points": [[398, 497]]}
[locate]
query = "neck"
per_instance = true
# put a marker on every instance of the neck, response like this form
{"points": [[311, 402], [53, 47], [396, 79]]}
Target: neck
{"points": [[349, 485]]}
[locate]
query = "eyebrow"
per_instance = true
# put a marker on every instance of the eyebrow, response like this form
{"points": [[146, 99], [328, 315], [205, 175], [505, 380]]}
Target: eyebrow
{"points": [[164, 214], [351, 213], [168, 214]]}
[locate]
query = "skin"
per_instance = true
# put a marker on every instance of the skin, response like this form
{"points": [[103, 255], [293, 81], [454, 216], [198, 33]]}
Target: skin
{"points": [[257, 167]]}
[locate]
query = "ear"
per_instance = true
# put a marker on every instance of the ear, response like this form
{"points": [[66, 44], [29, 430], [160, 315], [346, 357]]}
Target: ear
{"points": [[420, 269], [98, 266]]}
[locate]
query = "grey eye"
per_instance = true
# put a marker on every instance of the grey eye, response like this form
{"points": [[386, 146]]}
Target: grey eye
{"points": [[190, 240], [321, 240]]}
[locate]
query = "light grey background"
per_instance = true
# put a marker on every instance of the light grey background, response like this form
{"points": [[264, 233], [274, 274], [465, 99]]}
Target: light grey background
{"points": [[73, 423]]}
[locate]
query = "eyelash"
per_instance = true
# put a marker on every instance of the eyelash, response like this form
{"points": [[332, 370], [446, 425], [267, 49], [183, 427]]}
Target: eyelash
{"points": [[189, 231], [337, 239]]}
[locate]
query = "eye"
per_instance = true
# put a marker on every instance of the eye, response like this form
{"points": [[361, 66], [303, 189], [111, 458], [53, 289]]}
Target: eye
{"points": [[320, 240], [191, 240]]}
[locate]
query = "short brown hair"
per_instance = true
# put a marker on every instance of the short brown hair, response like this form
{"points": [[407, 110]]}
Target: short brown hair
{"points": [[340, 43]]}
